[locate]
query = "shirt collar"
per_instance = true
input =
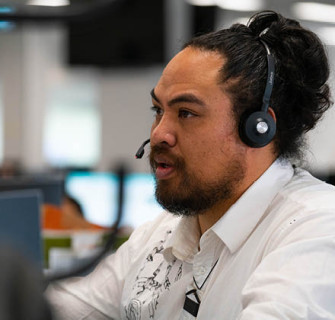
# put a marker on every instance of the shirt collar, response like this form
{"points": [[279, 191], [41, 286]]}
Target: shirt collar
{"points": [[184, 241], [239, 221]]}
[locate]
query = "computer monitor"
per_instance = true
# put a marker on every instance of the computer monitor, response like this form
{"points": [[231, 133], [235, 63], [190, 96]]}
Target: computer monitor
{"points": [[97, 193], [20, 223], [52, 188]]}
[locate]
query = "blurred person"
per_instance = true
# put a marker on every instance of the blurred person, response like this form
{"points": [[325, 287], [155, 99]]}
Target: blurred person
{"points": [[72, 214], [68, 216], [247, 234]]}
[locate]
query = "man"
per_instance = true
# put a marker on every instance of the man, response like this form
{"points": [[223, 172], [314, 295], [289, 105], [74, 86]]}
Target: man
{"points": [[247, 235]]}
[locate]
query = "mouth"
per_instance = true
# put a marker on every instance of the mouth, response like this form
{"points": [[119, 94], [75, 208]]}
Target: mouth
{"points": [[163, 169], [163, 165]]}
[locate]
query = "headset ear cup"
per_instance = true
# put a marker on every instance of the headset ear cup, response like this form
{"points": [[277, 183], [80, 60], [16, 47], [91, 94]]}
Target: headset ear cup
{"points": [[248, 129]]}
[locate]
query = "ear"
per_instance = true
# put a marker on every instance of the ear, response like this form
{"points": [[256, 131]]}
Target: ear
{"points": [[272, 113]]}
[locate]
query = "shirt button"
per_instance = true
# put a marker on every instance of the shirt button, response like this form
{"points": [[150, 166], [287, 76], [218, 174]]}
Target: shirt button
{"points": [[202, 270]]}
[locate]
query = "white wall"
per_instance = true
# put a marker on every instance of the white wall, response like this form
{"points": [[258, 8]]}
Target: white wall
{"points": [[125, 115], [11, 90], [321, 154], [33, 62]]}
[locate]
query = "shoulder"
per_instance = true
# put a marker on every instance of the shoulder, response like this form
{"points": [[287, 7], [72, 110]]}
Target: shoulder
{"points": [[303, 210], [309, 192]]}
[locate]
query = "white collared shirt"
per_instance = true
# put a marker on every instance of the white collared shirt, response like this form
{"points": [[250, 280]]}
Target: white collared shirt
{"points": [[271, 256]]}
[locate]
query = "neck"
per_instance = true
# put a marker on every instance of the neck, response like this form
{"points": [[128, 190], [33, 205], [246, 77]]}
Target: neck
{"points": [[209, 217]]}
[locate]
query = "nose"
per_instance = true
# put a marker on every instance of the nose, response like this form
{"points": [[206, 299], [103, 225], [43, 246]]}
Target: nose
{"points": [[164, 132]]}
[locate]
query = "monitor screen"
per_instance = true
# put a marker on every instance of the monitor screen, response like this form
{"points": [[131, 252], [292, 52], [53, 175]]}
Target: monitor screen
{"points": [[97, 193], [52, 189], [20, 223], [133, 34]]}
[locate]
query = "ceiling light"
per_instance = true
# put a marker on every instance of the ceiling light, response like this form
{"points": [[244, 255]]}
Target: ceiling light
{"points": [[241, 5], [314, 11], [202, 2], [49, 3]]}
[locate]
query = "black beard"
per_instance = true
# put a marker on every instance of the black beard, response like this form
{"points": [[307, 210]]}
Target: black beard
{"points": [[192, 196], [194, 200]]}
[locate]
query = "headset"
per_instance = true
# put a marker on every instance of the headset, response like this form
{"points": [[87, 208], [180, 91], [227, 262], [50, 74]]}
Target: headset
{"points": [[256, 128], [140, 152]]}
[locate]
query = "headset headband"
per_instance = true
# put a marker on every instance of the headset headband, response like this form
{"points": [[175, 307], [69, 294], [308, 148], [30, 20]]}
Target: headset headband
{"points": [[271, 73]]}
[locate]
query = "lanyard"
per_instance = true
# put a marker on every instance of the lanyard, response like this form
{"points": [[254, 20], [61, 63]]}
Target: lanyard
{"points": [[190, 305]]}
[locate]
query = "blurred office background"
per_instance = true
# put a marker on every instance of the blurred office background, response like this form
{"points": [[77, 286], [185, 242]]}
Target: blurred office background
{"points": [[74, 93]]}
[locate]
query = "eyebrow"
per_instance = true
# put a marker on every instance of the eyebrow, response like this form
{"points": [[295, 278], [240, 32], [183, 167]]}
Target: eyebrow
{"points": [[186, 97], [153, 96]]}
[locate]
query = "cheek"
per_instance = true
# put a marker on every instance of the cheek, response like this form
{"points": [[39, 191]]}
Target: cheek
{"points": [[222, 141], [212, 145], [205, 153], [213, 152]]}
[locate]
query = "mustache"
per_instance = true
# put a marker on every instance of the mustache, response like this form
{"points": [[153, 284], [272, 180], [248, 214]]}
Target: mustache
{"points": [[178, 162]]}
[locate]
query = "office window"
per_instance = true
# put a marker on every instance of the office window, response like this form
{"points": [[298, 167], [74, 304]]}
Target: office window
{"points": [[72, 125]]}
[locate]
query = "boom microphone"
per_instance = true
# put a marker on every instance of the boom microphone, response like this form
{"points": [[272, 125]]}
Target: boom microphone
{"points": [[140, 152]]}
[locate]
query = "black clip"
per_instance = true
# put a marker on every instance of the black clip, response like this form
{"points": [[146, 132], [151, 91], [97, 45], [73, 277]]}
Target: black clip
{"points": [[190, 305]]}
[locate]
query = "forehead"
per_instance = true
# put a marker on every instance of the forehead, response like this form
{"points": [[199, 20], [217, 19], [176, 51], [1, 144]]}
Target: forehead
{"points": [[191, 69]]}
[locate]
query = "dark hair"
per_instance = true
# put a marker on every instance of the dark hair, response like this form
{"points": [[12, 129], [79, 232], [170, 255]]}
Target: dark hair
{"points": [[300, 95]]}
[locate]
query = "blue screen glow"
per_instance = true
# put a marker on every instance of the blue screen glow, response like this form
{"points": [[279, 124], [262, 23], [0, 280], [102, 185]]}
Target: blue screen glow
{"points": [[97, 193]]}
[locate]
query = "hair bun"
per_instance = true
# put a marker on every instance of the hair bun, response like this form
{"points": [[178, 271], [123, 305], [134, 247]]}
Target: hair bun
{"points": [[262, 20], [274, 22], [300, 51]]}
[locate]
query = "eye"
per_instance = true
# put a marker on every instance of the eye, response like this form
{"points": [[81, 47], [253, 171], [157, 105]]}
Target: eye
{"points": [[157, 111], [185, 113]]}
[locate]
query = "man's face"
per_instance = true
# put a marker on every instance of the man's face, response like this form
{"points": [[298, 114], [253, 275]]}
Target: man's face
{"points": [[196, 154]]}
